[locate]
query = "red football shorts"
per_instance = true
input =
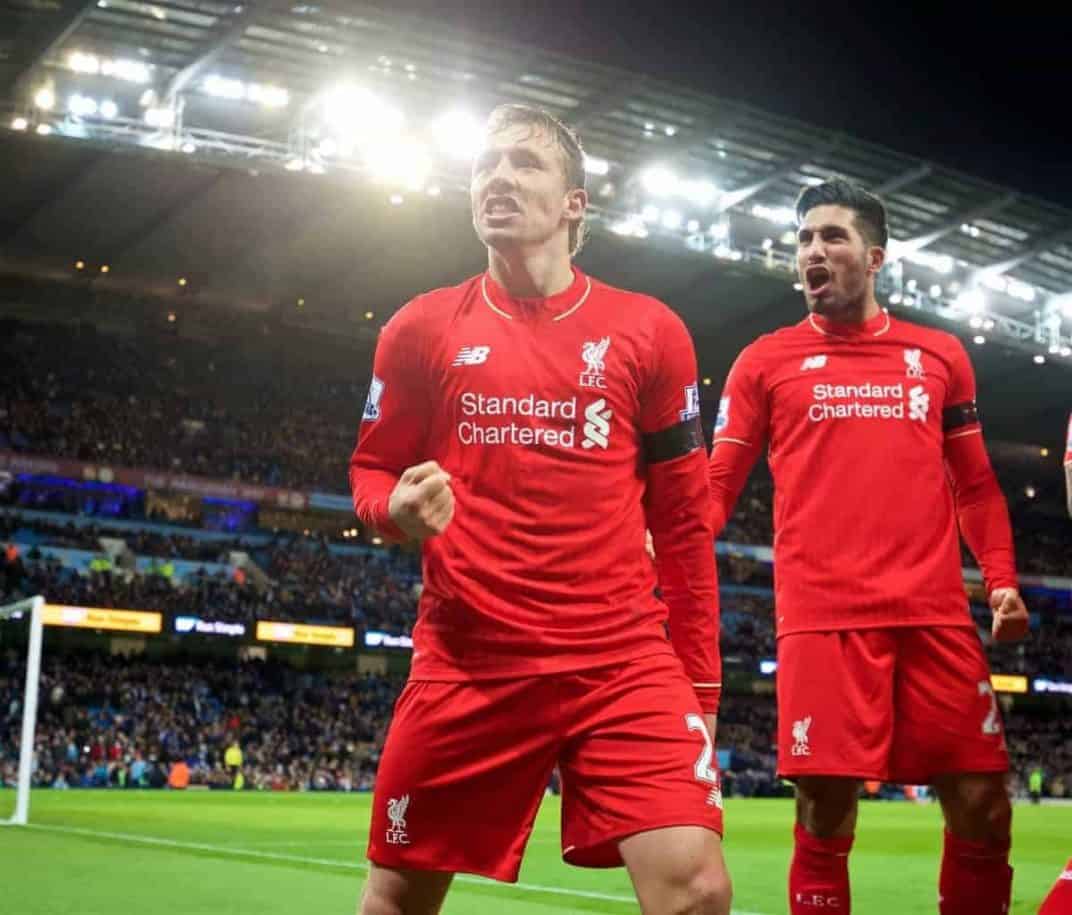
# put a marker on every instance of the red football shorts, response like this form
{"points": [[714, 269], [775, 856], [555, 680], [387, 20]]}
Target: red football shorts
{"points": [[466, 765], [898, 705]]}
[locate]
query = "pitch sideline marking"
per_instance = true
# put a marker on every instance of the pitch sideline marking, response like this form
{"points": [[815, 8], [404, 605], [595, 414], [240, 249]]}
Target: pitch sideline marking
{"points": [[330, 862]]}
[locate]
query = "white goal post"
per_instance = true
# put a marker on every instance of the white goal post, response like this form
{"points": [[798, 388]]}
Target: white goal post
{"points": [[35, 607]]}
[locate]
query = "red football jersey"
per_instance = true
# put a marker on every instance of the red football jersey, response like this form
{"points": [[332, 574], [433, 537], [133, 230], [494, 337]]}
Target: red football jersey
{"points": [[861, 421], [568, 425]]}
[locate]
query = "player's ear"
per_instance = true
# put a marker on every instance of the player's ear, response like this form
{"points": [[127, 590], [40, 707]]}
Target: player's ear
{"points": [[876, 257], [575, 203]]}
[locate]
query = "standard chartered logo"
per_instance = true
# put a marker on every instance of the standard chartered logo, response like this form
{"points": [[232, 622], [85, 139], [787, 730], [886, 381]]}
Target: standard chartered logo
{"points": [[919, 402], [597, 425], [532, 421], [869, 401]]}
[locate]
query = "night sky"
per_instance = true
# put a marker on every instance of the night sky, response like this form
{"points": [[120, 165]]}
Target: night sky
{"points": [[983, 92]]}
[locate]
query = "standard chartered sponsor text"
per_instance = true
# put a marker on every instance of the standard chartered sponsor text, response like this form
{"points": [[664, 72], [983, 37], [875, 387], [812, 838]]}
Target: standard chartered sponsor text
{"points": [[473, 432], [850, 401]]}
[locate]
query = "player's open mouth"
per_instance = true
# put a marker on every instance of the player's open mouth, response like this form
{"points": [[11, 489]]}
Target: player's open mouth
{"points": [[501, 206], [817, 279]]}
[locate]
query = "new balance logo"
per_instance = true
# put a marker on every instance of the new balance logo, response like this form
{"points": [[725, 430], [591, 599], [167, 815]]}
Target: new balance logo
{"points": [[813, 362], [472, 355], [597, 425], [919, 403], [800, 737]]}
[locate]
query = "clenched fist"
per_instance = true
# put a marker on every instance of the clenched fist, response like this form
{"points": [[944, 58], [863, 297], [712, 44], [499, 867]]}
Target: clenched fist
{"points": [[422, 503]]}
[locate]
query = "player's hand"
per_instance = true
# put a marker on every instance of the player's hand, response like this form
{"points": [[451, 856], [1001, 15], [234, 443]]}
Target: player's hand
{"points": [[1010, 615], [422, 503], [649, 545]]}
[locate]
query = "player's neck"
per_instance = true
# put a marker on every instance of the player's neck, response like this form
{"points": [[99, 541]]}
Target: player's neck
{"points": [[859, 312], [530, 274]]}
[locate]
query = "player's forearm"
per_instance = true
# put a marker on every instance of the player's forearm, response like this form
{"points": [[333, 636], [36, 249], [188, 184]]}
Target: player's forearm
{"points": [[728, 469], [678, 513], [1068, 487], [371, 490], [983, 513]]}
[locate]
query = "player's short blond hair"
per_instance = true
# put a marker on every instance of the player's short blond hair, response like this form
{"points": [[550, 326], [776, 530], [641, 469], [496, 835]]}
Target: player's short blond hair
{"points": [[506, 116]]}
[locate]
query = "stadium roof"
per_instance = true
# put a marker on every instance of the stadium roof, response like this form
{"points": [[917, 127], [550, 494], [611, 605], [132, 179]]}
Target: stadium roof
{"points": [[625, 117]]}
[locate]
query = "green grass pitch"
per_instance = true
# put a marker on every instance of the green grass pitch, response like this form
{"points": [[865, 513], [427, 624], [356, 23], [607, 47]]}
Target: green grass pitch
{"points": [[157, 853]]}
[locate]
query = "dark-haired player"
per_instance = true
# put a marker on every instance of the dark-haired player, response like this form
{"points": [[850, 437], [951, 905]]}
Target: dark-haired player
{"points": [[877, 454], [528, 426]]}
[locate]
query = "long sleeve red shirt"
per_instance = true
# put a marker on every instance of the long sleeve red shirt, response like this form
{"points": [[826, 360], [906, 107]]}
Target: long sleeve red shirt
{"points": [[876, 452], [568, 425]]}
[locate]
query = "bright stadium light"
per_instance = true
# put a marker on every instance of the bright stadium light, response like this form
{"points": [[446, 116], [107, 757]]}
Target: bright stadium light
{"points": [[268, 96], [672, 220], [978, 339], [82, 106], [719, 230], [132, 71], [458, 134], [659, 181], [221, 87], [1040, 359], [971, 301], [693, 225], [80, 62], [783, 216], [327, 148], [595, 165], [109, 109], [160, 117], [44, 129], [188, 147], [353, 110], [405, 162], [701, 191], [44, 98], [19, 124]]}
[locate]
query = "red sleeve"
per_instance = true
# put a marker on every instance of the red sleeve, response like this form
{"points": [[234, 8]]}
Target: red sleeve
{"points": [[740, 432], [981, 509], [394, 422], [676, 505]]}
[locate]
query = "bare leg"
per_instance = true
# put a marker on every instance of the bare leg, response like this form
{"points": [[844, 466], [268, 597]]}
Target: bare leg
{"points": [[678, 870], [395, 891]]}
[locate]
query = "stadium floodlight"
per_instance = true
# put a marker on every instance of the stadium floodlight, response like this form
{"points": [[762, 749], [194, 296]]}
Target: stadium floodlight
{"points": [[221, 87], [406, 162], [1040, 359], [44, 129], [659, 180], [268, 96], [354, 112], [19, 124], [594, 165], [44, 98], [458, 134], [693, 225], [978, 339], [700, 191], [768, 243], [188, 147], [294, 165], [132, 71], [936, 291], [782, 216], [672, 220], [80, 62], [109, 109], [971, 301], [82, 106], [160, 117], [35, 607]]}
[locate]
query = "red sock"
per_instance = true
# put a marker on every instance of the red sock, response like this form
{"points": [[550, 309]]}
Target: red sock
{"points": [[976, 878], [1059, 902], [819, 874]]}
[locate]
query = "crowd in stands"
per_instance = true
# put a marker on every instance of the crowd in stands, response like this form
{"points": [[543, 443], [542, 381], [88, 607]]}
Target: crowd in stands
{"points": [[126, 723], [110, 722]]}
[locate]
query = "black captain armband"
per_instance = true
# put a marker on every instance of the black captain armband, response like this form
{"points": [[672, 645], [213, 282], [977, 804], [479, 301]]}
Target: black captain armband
{"points": [[673, 441], [958, 415]]}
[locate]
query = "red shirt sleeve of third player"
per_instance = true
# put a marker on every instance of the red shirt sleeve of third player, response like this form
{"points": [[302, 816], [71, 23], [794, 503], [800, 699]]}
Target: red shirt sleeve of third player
{"points": [[676, 505], [394, 423], [740, 432], [981, 509]]}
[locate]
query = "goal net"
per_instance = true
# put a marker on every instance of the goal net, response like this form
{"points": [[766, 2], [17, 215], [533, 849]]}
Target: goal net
{"points": [[24, 701]]}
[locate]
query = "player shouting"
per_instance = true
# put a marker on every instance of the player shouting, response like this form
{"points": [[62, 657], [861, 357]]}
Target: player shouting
{"points": [[876, 452], [527, 426]]}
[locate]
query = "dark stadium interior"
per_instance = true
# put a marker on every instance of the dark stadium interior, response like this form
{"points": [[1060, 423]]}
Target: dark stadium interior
{"points": [[253, 371]]}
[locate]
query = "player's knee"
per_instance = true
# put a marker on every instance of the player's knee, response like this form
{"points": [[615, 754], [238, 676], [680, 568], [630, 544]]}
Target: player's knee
{"points": [[374, 902], [708, 892], [983, 811], [826, 806]]}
